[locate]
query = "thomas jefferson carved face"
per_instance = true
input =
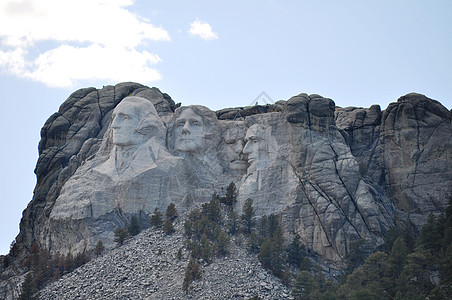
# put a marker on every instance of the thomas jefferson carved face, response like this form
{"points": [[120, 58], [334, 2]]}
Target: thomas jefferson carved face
{"points": [[189, 131]]}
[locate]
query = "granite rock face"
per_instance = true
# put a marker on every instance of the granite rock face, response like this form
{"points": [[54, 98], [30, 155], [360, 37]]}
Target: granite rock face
{"points": [[404, 152], [332, 175]]}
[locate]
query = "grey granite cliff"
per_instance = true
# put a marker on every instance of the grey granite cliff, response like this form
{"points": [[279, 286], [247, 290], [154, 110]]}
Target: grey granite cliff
{"points": [[332, 175]]}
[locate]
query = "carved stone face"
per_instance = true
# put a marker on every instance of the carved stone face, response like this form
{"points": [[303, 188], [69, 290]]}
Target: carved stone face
{"points": [[234, 143], [135, 121], [189, 131], [124, 125], [256, 148]]}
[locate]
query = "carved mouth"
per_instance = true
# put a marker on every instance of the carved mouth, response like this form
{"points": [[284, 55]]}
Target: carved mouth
{"points": [[251, 160], [238, 162]]}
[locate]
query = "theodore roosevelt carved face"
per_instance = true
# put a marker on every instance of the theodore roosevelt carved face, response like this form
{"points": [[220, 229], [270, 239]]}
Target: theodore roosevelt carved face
{"points": [[259, 147], [234, 141]]}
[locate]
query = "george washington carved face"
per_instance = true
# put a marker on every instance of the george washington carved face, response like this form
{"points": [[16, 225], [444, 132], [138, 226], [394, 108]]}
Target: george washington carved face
{"points": [[134, 122]]}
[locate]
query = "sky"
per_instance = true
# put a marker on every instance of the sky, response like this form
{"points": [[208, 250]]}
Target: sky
{"points": [[214, 53]]}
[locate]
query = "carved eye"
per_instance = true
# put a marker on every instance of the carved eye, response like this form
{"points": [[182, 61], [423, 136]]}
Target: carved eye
{"points": [[195, 123], [180, 124]]}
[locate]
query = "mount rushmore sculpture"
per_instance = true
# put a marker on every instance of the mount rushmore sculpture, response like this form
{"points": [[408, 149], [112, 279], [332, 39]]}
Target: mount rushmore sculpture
{"points": [[121, 151]]}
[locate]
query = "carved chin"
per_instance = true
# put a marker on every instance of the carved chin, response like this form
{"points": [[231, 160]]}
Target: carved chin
{"points": [[238, 165], [187, 146]]}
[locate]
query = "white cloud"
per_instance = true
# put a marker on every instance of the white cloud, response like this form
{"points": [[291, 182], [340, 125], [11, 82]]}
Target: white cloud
{"points": [[109, 33], [203, 30]]}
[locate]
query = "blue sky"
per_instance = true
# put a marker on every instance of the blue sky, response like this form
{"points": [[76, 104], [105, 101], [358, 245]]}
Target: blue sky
{"points": [[225, 54]]}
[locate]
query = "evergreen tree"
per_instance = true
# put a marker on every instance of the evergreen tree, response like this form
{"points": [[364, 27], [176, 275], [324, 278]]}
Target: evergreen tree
{"points": [[397, 258], [277, 258], [430, 236], [247, 216], [356, 255], [29, 288], [171, 212], [99, 248], [134, 226], [120, 235], [231, 195], [417, 264], [156, 218], [206, 249], [221, 245], [254, 243], [306, 264], [295, 252], [263, 227], [212, 210], [193, 272], [303, 286], [265, 253], [232, 222], [445, 270], [168, 227], [179, 254]]}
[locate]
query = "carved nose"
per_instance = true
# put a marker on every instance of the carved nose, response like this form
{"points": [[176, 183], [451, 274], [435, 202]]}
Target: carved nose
{"points": [[115, 124], [246, 149], [186, 128], [239, 146]]}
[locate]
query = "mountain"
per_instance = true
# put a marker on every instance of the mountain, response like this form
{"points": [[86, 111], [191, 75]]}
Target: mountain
{"points": [[331, 175]]}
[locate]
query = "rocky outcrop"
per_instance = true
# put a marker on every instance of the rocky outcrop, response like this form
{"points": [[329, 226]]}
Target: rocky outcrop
{"points": [[404, 152], [67, 138], [331, 175]]}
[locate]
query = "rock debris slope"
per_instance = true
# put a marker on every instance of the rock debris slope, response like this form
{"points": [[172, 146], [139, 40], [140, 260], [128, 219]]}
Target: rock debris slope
{"points": [[136, 270]]}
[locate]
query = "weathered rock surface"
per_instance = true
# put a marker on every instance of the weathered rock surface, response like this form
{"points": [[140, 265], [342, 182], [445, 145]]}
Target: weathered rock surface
{"points": [[136, 270], [67, 138], [332, 175], [404, 152]]}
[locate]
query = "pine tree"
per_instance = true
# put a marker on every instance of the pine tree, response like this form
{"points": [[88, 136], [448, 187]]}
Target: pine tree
{"points": [[212, 210], [29, 288], [221, 245], [179, 254], [168, 227], [171, 212], [356, 255], [265, 253], [134, 226], [295, 252], [430, 236], [99, 248], [247, 216], [303, 286], [120, 235], [193, 272], [231, 195], [156, 218], [232, 222], [397, 258]]}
